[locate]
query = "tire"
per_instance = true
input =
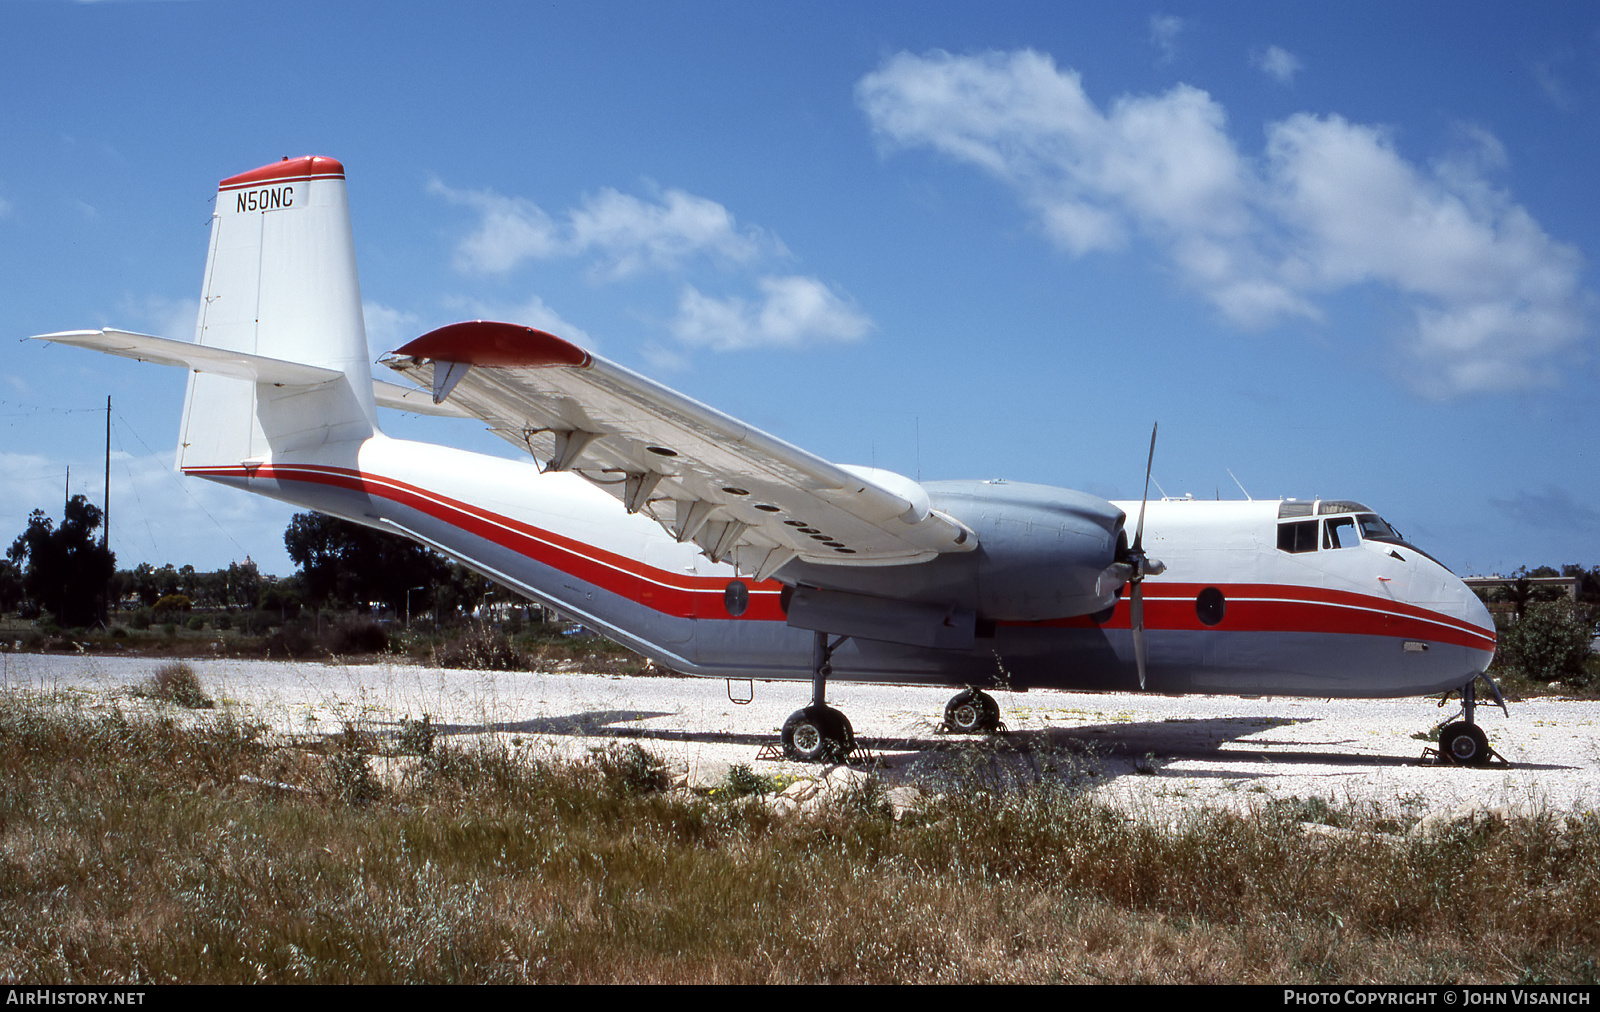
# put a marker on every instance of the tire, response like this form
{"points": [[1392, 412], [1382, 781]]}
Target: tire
{"points": [[972, 712], [818, 734], [1464, 744]]}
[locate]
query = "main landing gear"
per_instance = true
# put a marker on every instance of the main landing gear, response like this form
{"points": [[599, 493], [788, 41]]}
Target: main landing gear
{"points": [[1462, 742], [819, 733], [971, 712]]}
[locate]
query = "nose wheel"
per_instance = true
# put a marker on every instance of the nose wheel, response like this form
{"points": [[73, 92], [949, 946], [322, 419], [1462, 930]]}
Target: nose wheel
{"points": [[1462, 742]]}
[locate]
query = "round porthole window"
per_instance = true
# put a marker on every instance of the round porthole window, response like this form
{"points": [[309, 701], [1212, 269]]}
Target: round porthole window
{"points": [[736, 598], [1209, 606]]}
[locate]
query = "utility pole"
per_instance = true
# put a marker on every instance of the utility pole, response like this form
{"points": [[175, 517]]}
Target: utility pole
{"points": [[105, 514], [105, 518]]}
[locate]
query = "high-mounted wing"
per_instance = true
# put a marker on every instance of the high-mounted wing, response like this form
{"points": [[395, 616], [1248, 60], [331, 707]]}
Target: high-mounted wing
{"points": [[743, 496]]}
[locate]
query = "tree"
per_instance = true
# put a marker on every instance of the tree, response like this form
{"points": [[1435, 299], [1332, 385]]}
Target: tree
{"points": [[1550, 643], [348, 563], [65, 569], [10, 586]]}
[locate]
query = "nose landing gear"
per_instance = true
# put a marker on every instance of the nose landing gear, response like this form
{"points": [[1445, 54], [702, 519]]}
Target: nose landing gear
{"points": [[1462, 742]]}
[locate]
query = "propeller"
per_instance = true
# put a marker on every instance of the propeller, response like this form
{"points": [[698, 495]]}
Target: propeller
{"points": [[1139, 566]]}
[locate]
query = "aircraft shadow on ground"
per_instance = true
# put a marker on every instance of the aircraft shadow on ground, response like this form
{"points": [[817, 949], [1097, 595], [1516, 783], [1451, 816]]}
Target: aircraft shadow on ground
{"points": [[1031, 756]]}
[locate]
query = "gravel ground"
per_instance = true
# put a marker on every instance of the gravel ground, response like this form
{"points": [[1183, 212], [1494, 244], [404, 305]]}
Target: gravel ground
{"points": [[1157, 754]]}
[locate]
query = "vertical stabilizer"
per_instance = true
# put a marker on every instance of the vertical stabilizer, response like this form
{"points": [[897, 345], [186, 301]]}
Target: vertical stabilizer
{"points": [[280, 282]]}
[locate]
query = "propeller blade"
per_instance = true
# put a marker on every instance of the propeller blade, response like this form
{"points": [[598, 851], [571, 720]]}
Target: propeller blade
{"points": [[1141, 566], [1138, 537], [1136, 608]]}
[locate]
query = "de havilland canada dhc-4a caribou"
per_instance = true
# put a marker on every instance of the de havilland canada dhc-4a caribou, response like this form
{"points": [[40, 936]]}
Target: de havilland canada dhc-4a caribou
{"points": [[716, 549]]}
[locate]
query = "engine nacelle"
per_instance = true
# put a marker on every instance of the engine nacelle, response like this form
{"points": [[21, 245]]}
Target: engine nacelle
{"points": [[1042, 554]]}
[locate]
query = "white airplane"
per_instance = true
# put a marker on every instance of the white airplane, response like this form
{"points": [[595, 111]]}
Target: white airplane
{"points": [[716, 549]]}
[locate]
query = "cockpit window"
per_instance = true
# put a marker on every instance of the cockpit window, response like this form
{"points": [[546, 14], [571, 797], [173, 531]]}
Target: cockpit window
{"points": [[1298, 537], [1340, 532], [1374, 528]]}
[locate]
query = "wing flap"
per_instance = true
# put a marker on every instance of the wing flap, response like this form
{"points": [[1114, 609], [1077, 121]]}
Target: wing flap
{"points": [[742, 495]]}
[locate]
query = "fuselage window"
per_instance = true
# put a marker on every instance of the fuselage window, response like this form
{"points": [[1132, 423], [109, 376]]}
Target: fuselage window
{"points": [[1298, 537], [1341, 533], [1210, 606]]}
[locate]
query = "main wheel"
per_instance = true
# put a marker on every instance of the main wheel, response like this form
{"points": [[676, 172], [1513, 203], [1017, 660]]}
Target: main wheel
{"points": [[1465, 744], [972, 712], [818, 734]]}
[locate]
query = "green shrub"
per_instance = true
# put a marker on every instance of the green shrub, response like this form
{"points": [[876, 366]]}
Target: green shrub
{"points": [[358, 637], [171, 607], [743, 781], [289, 641], [1551, 642], [416, 736], [176, 683], [481, 650], [630, 771]]}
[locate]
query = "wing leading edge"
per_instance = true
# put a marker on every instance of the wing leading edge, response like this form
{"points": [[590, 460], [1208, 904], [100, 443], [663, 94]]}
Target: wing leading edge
{"points": [[741, 495]]}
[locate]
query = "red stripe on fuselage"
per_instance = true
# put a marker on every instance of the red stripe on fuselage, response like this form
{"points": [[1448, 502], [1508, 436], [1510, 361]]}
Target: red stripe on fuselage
{"points": [[1168, 606], [1275, 607], [675, 594]]}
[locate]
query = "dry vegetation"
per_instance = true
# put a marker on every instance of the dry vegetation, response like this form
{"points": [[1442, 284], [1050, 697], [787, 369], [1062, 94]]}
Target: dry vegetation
{"points": [[132, 850]]}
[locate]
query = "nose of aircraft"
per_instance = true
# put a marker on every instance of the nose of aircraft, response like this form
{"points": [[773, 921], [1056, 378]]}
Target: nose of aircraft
{"points": [[1462, 603]]}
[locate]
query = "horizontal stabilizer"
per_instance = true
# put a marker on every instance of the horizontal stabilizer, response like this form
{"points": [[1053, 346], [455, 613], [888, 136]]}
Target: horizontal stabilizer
{"points": [[413, 399], [222, 362]]}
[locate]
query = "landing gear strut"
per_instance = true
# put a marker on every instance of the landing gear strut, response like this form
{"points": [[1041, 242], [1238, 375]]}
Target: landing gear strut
{"points": [[819, 733], [1463, 742], [971, 712]]}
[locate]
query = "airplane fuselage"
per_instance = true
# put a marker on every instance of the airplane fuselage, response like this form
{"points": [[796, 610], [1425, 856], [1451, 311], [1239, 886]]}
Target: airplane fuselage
{"points": [[1236, 610]]}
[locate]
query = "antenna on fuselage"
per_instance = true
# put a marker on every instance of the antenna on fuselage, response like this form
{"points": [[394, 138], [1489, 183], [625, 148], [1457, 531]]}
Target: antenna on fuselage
{"points": [[1239, 483]]}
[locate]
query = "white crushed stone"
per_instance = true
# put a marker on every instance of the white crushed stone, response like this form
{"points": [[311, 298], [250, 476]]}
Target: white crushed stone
{"points": [[1198, 751]]}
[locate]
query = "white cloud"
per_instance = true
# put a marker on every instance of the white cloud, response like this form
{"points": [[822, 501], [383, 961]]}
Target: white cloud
{"points": [[510, 230], [1278, 63], [624, 234], [1494, 301], [792, 311], [1164, 32], [632, 234], [1552, 508]]}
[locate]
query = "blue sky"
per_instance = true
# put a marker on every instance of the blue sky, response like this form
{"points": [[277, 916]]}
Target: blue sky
{"points": [[1341, 250]]}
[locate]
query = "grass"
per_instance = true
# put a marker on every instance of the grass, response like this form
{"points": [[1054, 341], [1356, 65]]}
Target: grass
{"points": [[131, 851]]}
